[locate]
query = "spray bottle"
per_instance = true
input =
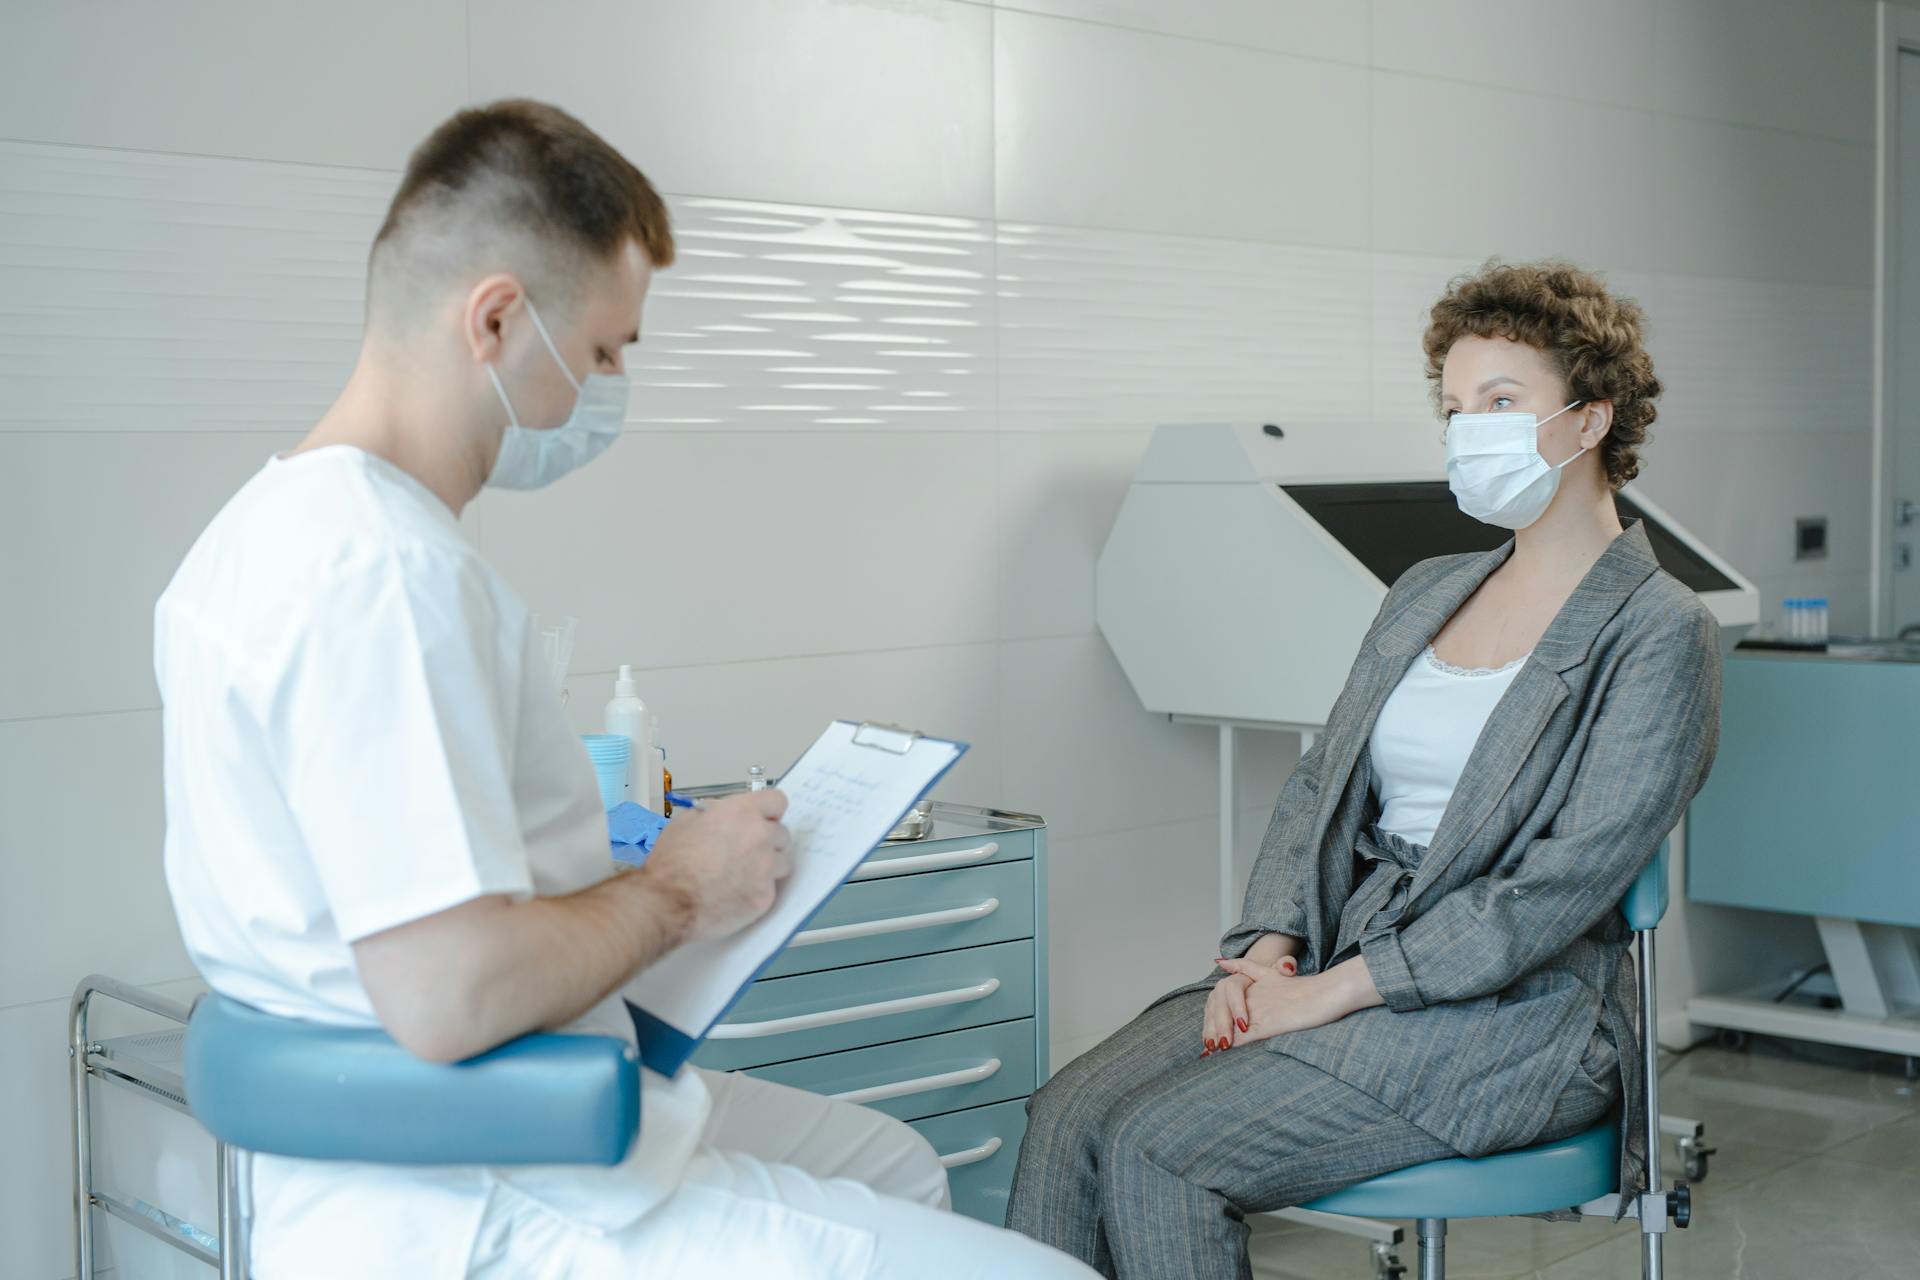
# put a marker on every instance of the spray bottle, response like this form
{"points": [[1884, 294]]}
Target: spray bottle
{"points": [[628, 715]]}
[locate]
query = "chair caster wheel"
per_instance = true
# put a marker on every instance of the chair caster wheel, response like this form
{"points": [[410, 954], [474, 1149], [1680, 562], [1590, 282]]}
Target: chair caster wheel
{"points": [[1386, 1263], [1680, 1204], [1693, 1158]]}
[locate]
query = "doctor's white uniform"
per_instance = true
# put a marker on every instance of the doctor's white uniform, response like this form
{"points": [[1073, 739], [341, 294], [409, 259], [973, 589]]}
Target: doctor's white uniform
{"points": [[359, 733]]}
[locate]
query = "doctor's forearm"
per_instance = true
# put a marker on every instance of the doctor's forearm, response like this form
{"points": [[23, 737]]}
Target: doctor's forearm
{"points": [[467, 979]]}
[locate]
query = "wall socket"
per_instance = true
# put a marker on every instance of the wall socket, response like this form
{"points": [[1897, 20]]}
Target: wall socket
{"points": [[1810, 538]]}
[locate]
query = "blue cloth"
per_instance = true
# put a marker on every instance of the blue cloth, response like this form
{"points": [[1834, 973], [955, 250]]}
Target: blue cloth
{"points": [[633, 828]]}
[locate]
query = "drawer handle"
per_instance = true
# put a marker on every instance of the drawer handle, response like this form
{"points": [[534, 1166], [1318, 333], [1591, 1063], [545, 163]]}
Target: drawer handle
{"points": [[896, 924], [852, 1013], [972, 1155], [925, 1084], [925, 861]]}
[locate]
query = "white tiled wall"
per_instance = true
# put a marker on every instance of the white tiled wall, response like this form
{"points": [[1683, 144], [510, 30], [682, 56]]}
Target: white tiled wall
{"points": [[945, 265]]}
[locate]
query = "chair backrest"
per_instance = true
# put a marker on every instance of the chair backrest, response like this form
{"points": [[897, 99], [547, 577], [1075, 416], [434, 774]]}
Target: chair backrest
{"points": [[1646, 901], [287, 1087]]}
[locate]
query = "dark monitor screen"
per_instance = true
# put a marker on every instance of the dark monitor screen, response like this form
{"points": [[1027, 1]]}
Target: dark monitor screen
{"points": [[1390, 527]]}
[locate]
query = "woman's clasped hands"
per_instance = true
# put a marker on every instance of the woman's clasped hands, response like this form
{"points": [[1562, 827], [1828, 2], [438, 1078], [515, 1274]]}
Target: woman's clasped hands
{"points": [[1256, 1001]]}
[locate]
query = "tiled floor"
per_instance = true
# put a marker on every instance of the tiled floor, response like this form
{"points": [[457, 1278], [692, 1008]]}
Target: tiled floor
{"points": [[1816, 1176]]}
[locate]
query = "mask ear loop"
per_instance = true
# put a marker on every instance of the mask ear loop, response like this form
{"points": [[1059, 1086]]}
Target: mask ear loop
{"points": [[513, 419], [1571, 404], [552, 350]]}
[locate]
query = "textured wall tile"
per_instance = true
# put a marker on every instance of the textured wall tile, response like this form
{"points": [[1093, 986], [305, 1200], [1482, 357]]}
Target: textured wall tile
{"points": [[1331, 29], [1096, 126], [348, 82], [1116, 329], [178, 293], [779, 315], [884, 104]]}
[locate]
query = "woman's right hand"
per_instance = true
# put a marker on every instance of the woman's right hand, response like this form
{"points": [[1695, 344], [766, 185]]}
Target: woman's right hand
{"points": [[1226, 1015]]}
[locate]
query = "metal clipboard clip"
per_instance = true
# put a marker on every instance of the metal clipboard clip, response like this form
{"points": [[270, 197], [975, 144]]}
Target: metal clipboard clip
{"points": [[886, 737]]}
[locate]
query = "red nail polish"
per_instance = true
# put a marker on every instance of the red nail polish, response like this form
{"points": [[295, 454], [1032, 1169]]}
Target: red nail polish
{"points": [[1242, 1024]]}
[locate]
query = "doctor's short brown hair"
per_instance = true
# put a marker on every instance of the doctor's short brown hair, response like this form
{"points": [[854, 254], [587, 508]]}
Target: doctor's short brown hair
{"points": [[1597, 340], [517, 185]]}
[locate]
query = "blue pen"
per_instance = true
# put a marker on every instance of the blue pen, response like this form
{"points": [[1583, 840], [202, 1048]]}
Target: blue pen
{"points": [[683, 801]]}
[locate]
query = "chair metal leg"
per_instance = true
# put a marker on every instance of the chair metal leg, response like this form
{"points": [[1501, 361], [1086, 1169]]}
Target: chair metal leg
{"points": [[1653, 1215], [235, 1206], [78, 1046], [1433, 1249]]}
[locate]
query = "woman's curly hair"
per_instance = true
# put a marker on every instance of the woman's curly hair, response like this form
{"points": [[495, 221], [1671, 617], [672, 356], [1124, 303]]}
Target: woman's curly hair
{"points": [[1596, 339]]}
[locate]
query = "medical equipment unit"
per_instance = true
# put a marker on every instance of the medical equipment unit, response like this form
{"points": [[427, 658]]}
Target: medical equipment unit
{"points": [[1811, 810], [919, 989], [1247, 562]]}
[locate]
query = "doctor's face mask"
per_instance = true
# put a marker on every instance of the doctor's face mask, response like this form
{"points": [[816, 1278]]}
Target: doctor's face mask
{"points": [[1495, 469], [530, 457]]}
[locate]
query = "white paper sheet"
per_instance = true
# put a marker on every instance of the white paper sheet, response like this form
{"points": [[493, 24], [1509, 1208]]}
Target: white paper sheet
{"points": [[843, 798]]}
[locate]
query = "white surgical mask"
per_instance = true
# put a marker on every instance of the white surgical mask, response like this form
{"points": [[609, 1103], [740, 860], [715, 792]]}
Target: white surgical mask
{"points": [[1495, 469], [531, 459]]}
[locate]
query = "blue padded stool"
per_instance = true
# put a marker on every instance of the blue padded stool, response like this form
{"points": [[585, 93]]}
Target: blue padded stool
{"points": [[1580, 1172], [261, 1083]]}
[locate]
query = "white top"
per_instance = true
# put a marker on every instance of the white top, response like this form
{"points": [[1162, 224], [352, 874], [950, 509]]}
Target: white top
{"points": [[1423, 736], [359, 731]]}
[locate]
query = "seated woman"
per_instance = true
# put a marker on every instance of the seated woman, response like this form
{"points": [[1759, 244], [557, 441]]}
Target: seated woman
{"points": [[1431, 960]]}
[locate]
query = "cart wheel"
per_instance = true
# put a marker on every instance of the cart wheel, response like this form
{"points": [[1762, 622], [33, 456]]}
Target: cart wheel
{"points": [[1731, 1038]]}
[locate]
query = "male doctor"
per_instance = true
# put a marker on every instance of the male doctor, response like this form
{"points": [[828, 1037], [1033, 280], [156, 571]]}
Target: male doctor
{"points": [[377, 812]]}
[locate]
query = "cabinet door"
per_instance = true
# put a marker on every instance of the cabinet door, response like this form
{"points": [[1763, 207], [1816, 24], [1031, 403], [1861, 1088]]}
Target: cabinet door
{"points": [[980, 1148], [910, 1079], [913, 915], [781, 1019]]}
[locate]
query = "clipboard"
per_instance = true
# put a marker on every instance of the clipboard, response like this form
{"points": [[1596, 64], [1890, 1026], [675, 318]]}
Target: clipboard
{"points": [[842, 803]]}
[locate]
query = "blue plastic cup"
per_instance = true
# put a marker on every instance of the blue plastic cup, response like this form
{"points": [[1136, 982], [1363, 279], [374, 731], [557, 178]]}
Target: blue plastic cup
{"points": [[609, 753]]}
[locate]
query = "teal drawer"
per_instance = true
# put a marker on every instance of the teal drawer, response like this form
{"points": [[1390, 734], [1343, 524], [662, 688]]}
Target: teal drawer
{"points": [[980, 1148], [911, 915], [913, 1078], [780, 1019], [913, 857]]}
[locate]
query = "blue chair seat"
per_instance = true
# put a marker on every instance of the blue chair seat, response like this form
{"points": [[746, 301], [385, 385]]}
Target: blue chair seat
{"points": [[261, 1083], [1552, 1175]]}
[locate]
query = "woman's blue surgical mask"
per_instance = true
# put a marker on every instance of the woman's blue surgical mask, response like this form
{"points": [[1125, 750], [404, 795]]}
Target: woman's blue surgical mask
{"points": [[530, 458], [1495, 469]]}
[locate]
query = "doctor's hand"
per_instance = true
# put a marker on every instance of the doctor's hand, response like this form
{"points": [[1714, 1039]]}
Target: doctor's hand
{"points": [[724, 862]]}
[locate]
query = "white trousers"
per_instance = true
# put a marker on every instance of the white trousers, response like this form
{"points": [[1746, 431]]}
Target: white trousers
{"points": [[785, 1184]]}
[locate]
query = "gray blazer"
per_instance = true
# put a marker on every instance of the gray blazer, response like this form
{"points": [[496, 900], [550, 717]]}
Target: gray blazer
{"points": [[1508, 948]]}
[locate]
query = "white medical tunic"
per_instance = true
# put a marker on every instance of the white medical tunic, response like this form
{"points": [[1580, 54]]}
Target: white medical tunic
{"points": [[359, 732]]}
